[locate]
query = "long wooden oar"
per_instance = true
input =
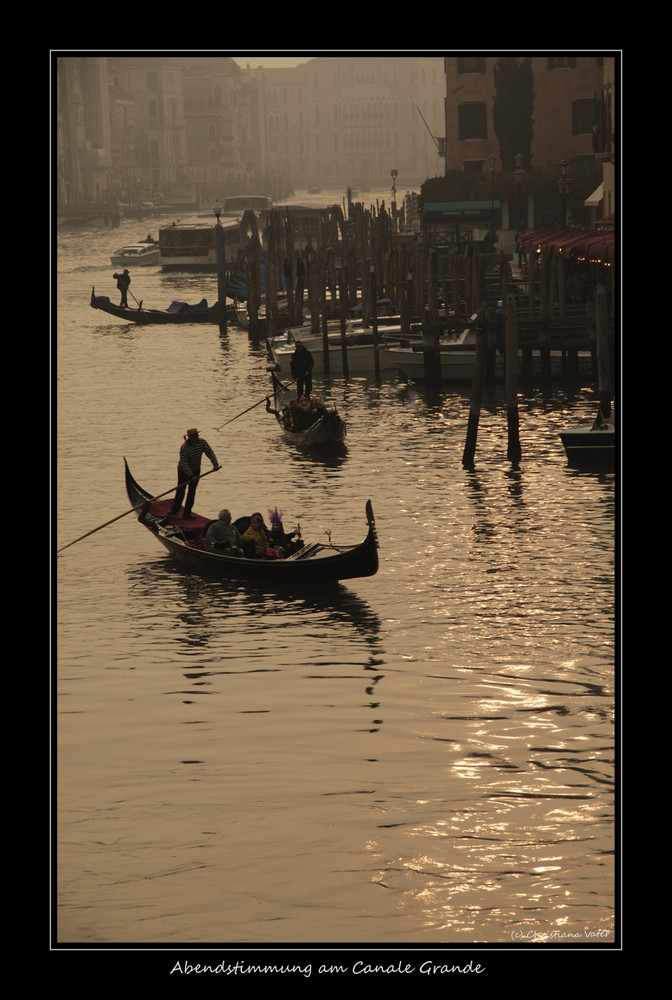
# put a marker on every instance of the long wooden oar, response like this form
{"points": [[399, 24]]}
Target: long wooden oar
{"points": [[247, 410], [130, 511]]}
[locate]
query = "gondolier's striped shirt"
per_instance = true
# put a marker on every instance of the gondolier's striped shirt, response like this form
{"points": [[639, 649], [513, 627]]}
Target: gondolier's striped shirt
{"points": [[190, 457]]}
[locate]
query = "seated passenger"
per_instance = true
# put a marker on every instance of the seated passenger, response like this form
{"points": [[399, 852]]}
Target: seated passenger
{"points": [[223, 536], [279, 539], [295, 419], [255, 539]]}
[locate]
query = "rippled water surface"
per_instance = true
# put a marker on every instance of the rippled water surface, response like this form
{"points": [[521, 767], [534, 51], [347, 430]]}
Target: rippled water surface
{"points": [[425, 757]]}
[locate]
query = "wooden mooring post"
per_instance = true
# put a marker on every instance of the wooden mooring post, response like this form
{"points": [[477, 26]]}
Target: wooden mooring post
{"points": [[431, 356], [342, 305], [374, 322], [603, 359], [511, 376], [221, 276], [320, 266], [478, 380]]}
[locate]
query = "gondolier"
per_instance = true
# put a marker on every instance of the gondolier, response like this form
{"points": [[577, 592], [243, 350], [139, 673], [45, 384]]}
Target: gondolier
{"points": [[189, 468], [302, 367], [123, 282]]}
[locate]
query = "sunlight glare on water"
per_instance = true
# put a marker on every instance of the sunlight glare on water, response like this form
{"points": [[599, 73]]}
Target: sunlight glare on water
{"points": [[421, 757]]}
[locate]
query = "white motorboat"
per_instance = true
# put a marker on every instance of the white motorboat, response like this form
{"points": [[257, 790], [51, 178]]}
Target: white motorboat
{"points": [[137, 255], [361, 352], [458, 358], [360, 357]]}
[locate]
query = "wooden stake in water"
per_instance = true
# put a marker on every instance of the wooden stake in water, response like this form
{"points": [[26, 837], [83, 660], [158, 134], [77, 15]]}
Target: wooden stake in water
{"points": [[513, 449], [221, 275], [478, 379], [602, 337]]}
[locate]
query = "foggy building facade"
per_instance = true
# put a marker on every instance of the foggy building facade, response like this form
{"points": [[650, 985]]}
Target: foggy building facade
{"points": [[165, 128]]}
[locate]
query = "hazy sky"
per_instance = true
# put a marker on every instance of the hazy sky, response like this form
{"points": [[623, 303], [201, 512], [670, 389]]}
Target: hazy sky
{"points": [[271, 61]]}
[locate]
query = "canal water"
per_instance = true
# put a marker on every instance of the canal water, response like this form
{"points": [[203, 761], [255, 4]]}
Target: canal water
{"points": [[421, 759]]}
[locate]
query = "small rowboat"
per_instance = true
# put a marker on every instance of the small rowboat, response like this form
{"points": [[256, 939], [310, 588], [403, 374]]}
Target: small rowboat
{"points": [[315, 563], [177, 312], [322, 426]]}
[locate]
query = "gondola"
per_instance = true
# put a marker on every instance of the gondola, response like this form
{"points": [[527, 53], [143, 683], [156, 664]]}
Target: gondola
{"points": [[315, 563], [326, 427], [177, 312]]}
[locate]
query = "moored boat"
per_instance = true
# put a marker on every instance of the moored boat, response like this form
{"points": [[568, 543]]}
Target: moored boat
{"points": [[457, 363], [591, 444], [304, 425], [360, 347], [314, 563], [192, 247]]}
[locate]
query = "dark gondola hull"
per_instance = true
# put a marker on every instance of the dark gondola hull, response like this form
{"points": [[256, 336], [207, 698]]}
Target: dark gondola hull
{"points": [[150, 317], [314, 564], [589, 447], [327, 430]]}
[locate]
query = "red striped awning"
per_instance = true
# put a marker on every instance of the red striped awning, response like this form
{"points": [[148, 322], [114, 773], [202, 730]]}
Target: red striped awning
{"points": [[573, 240]]}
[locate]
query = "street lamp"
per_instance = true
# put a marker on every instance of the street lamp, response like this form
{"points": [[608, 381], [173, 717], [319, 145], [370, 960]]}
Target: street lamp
{"points": [[394, 197], [518, 175], [492, 199], [565, 188]]}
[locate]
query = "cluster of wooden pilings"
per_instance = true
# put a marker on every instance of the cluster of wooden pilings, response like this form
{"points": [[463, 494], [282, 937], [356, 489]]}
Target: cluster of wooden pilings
{"points": [[485, 348], [364, 257], [359, 260]]}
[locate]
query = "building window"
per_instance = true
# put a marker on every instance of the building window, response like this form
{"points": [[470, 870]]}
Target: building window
{"points": [[473, 121], [583, 113], [562, 62], [471, 64]]}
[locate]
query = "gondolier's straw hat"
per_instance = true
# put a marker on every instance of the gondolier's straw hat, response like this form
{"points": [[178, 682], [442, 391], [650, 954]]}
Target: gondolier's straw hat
{"points": [[190, 433]]}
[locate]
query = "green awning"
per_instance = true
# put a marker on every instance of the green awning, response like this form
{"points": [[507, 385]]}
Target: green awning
{"points": [[437, 210]]}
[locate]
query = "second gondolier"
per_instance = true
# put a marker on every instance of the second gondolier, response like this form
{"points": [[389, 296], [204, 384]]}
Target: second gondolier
{"points": [[302, 367]]}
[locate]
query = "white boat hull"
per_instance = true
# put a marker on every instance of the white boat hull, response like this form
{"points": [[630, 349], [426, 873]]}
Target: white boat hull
{"points": [[140, 255], [360, 359], [458, 366]]}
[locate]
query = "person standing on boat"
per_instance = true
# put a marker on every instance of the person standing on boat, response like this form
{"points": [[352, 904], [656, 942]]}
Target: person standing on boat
{"points": [[302, 367], [189, 468], [123, 281]]}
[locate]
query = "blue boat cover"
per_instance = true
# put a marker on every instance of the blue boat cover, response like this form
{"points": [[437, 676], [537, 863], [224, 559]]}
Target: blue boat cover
{"points": [[200, 307], [379, 302]]}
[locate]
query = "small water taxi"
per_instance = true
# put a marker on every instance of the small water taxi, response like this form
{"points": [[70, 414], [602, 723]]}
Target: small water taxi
{"points": [[136, 255]]}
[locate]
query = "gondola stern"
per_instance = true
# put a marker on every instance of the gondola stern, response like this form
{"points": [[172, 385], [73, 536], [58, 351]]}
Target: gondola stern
{"points": [[371, 521], [135, 492]]}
